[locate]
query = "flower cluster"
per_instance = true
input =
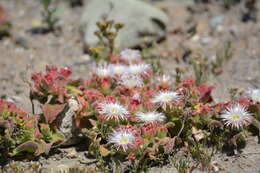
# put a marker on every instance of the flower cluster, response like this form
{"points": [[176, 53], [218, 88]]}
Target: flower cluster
{"points": [[127, 110]]}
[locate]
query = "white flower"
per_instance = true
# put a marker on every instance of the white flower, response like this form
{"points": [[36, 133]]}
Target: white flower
{"points": [[150, 116], [118, 69], [112, 111], [102, 71], [131, 81], [236, 116], [254, 94], [139, 68], [122, 139], [130, 54], [165, 97], [164, 80]]}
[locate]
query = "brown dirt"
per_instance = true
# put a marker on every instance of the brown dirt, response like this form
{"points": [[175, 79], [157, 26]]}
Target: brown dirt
{"points": [[243, 70]]}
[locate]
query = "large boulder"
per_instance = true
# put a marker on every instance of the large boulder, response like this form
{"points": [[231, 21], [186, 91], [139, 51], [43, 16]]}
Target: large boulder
{"points": [[143, 23]]}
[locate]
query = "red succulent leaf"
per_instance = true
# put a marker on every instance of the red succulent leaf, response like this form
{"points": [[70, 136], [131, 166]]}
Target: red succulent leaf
{"points": [[65, 72], [244, 101], [205, 93], [93, 94], [202, 109], [2, 15], [50, 112], [187, 83], [12, 108], [131, 156]]}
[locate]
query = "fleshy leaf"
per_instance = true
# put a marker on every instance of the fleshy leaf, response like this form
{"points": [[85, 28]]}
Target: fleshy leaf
{"points": [[73, 90], [50, 112], [43, 148], [57, 138], [103, 151], [29, 146]]}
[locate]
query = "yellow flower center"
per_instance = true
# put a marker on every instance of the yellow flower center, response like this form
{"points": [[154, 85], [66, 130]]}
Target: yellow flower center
{"points": [[236, 117], [114, 111], [124, 140], [166, 98], [256, 98]]}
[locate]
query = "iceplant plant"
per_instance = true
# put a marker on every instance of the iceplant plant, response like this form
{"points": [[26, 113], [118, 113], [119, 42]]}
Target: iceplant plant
{"points": [[236, 116]]}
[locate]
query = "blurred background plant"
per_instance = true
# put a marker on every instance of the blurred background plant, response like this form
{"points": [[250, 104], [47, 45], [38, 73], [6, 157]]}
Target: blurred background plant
{"points": [[5, 25], [50, 14], [106, 33]]}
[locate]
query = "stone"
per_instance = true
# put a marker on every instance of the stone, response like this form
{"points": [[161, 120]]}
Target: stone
{"points": [[66, 123], [143, 23], [216, 21]]}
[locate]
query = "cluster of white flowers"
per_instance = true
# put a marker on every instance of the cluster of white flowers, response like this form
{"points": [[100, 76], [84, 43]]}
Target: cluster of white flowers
{"points": [[128, 75], [131, 76], [135, 69]]}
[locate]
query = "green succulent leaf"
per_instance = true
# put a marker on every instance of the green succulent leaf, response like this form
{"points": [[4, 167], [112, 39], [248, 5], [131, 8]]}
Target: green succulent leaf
{"points": [[73, 90], [30, 147]]}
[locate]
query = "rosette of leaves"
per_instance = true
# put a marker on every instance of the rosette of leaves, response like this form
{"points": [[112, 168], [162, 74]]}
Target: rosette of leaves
{"points": [[54, 86], [19, 132]]}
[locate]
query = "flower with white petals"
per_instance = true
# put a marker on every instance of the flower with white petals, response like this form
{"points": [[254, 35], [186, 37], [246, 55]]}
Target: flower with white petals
{"points": [[165, 98], [236, 116], [118, 69], [130, 54], [131, 81], [138, 69], [102, 71], [151, 116], [112, 111], [254, 95], [122, 139], [164, 80]]}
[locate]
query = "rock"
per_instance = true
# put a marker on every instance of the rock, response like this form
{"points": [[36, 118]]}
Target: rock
{"points": [[216, 21], [142, 22], [66, 166], [67, 124]]}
